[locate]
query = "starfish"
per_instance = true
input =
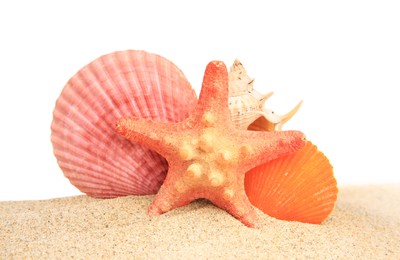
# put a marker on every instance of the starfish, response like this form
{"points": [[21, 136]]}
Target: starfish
{"points": [[206, 154]]}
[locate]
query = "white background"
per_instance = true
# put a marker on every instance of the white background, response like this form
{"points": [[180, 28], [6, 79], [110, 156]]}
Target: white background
{"points": [[341, 57]]}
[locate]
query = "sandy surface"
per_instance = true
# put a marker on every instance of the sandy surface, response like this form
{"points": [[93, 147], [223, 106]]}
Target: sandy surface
{"points": [[364, 224]]}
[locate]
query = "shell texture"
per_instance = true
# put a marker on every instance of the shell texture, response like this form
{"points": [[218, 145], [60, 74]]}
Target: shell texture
{"points": [[297, 187], [247, 104], [91, 154]]}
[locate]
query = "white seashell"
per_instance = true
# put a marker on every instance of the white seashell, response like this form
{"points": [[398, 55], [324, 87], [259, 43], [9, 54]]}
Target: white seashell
{"points": [[270, 121], [247, 104], [239, 82], [91, 154]]}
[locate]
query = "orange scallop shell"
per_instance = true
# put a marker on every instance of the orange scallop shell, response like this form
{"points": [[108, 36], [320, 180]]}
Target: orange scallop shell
{"points": [[298, 187]]}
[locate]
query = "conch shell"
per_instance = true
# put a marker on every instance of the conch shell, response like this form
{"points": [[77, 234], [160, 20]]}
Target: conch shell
{"points": [[247, 104]]}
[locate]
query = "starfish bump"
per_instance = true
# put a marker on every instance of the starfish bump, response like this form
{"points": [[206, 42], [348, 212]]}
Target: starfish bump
{"points": [[207, 155]]}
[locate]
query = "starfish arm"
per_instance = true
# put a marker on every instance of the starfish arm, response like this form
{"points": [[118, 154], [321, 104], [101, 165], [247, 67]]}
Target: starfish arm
{"points": [[165, 200], [173, 193], [214, 93], [248, 215], [151, 134], [238, 206], [262, 147]]}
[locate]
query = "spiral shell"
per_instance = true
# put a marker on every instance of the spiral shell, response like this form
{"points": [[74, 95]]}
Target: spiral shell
{"points": [[298, 187], [91, 154], [247, 104]]}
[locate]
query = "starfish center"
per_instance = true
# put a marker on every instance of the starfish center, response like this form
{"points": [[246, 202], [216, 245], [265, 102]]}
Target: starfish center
{"points": [[212, 159]]}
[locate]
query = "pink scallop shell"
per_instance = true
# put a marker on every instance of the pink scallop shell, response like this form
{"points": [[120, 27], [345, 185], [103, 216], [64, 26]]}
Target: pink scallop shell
{"points": [[91, 154]]}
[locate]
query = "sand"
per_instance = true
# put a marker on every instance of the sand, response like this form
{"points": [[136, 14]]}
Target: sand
{"points": [[365, 224]]}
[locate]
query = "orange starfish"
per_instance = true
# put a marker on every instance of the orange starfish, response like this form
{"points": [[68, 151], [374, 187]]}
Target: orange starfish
{"points": [[207, 156]]}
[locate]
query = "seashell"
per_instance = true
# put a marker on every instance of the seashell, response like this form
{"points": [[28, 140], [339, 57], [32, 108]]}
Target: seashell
{"points": [[97, 160], [247, 104], [298, 187], [269, 121]]}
